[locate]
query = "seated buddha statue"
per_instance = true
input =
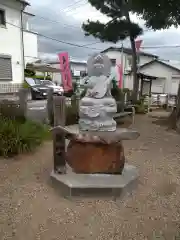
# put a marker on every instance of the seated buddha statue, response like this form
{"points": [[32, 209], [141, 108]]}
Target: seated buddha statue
{"points": [[97, 108]]}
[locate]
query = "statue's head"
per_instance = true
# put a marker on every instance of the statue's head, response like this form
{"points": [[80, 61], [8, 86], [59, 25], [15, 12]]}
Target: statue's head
{"points": [[99, 64]]}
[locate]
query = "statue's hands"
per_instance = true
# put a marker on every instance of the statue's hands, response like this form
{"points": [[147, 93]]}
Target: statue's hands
{"points": [[94, 94]]}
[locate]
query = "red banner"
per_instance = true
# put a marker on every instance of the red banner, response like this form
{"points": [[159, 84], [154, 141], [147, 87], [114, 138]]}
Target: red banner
{"points": [[120, 74], [65, 71], [138, 44]]}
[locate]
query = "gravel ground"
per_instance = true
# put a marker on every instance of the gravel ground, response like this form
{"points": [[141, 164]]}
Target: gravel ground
{"points": [[31, 209]]}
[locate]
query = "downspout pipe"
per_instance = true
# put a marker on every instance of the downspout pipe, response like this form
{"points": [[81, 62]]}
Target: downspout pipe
{"points": [[22, 41]]}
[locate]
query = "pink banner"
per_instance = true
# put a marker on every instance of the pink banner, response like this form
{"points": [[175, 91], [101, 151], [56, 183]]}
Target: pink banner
{"points": [[120, 75], [65, 71], [138, 44]]}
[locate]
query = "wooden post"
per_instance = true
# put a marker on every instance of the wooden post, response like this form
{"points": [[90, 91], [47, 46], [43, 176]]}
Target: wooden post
{"points": [[142, 85], [150, 87], [59, 108], [174, 118], [158, 100], [50, 112]]}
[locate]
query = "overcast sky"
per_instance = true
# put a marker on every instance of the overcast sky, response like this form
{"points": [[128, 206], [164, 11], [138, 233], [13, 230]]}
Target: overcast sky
{"points": [[64, 23]]}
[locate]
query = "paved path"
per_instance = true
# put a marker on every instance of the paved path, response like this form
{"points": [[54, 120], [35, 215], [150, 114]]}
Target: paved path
{"points": [[37, 110], [37, 105]]}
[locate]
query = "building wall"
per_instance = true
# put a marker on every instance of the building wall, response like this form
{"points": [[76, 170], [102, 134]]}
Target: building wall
{"points": [[11, 39], [30, 47], [127, 59], [165, 75], [74, 67]]}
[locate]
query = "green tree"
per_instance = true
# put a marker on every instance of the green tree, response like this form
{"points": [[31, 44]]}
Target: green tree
{"points": [[158, 14], [118, 28]]}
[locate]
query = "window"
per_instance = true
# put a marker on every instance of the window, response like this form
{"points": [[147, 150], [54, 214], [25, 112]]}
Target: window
{"points": [[129, 60], [5, 68], [83, 73], [2, 17], [113, 62]]}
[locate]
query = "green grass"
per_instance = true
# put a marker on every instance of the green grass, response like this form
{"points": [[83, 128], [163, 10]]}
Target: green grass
{"points": [[18, 137]]}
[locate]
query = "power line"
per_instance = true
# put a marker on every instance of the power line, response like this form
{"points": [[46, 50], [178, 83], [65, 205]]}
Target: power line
{"points": [[163, 46], [67, 8], [75, 27], [83, 46], [54, 21], [57, 40], [75, 7]]}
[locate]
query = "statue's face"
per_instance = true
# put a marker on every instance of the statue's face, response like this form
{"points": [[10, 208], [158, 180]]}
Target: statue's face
{"points": [[99, 65]]}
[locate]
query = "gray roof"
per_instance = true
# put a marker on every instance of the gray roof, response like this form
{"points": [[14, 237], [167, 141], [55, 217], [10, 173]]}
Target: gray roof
{"points": [[128, 51], [71, 62], [172, 64], [23, 2], [175, 66]]}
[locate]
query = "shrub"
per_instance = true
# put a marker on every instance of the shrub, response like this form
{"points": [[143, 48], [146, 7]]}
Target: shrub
{"points": [[72, 114], [17, 137], [26, 85], [69, 93], [40, 77], [29, 73], [140, 107], [83, 93]]}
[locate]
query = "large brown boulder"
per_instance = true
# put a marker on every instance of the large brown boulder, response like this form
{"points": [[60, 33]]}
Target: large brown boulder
{"points": [[89, 157]]}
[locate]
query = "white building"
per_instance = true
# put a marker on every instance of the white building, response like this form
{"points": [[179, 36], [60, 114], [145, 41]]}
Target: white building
{"points": [[77, 68], [160, 76], [168, 76], [30, 39], [14, 30]]}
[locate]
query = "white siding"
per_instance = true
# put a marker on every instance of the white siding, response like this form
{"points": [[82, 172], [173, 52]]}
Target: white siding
{"points": [[74, 67], [158, 86], [174, 85], [145, 59], [127, 59], [163, 72], [30, 47], [11, 39]]}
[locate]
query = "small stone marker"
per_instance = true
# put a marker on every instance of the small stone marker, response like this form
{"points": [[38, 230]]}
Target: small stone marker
{"points": [[59, 108], [50, 107], [23, 97]]}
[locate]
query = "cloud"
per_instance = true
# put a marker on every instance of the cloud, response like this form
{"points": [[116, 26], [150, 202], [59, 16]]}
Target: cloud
{"points": [[64, 25]]}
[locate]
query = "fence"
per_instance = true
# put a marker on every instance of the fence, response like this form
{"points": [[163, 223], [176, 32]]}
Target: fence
{"points": [[160, 100], [9, 88], [15, 108]]}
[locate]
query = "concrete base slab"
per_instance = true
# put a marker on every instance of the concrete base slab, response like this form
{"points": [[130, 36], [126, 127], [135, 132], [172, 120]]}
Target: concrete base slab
{"points": [[96, 185]]}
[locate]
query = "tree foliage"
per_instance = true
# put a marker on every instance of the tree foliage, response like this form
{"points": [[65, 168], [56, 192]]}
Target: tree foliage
{"points": [[160, 14], [113, 32], [119, 28]]}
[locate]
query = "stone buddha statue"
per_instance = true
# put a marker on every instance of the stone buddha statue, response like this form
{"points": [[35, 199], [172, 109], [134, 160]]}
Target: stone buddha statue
{"points": [[97, 108]]}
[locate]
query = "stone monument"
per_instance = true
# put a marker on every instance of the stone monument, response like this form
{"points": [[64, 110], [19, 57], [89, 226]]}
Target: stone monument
{"points": [[95, 144]]}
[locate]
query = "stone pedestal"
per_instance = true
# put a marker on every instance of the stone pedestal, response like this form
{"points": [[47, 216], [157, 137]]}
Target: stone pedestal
{"points": [[96, 185]]}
